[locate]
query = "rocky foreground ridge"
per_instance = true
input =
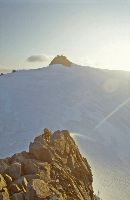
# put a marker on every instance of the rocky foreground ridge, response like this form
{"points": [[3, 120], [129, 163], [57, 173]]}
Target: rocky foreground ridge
{"points": [[53, 169]]}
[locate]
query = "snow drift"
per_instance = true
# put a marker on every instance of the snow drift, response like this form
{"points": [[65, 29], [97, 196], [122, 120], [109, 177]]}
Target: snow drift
{"points": [[93, 104]]}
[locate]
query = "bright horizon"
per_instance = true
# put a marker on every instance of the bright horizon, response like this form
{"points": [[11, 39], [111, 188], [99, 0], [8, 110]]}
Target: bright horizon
{"points": [[89, 33]]}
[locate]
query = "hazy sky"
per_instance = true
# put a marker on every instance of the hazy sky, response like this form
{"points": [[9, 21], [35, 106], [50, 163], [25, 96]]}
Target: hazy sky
{"points": [[89, 32]]}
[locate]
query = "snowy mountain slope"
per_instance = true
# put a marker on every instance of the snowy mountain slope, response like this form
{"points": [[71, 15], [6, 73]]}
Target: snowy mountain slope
{"points": [[93, 104]]}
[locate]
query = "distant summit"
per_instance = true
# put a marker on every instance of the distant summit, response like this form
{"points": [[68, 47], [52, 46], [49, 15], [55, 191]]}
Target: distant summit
{"points": [[60, 59]]}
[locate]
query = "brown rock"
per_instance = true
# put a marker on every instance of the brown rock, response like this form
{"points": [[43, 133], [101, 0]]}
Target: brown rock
{"points": [[4, 195], [53, 169], [47, 135], [14, 170], [40, 152], [19, 157], [60, 59], [37, 190], [3, 166], [21, 182], [2, 182], [44, 172], [30, 166], [8, 179], [71, 162], [14, 188], [29, 177], [18, 196]]}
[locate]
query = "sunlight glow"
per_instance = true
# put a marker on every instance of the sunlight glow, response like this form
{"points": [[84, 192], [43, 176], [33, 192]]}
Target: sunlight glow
{"points": [[112, 113]]}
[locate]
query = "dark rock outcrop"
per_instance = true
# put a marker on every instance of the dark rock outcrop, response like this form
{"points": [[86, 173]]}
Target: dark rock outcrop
{"points": [[61, 60], [53, 169]]}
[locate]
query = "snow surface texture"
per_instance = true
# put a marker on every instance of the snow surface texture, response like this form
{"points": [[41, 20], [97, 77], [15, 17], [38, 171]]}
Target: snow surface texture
{"points": [[93, 104]]}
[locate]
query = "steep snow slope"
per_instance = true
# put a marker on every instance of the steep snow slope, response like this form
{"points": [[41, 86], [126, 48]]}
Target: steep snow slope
{"points": [[93, 104]]}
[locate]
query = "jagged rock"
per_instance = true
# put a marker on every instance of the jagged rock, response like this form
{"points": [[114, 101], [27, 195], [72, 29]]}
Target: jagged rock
{"points": [[37, 190], [3, 166], [47, 135], [29, 177], [39, 148], [71, 162], [30, 166], [53, 169], [21, 183], [20, 157], [40, 152], [57, 195], [8, 179], [14, 188], [14, 170], [2, 182], [45, 172], [4, 195]]}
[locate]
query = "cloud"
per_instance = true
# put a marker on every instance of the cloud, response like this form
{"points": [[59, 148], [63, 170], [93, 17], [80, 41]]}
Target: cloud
{"points": [[39, 58]]}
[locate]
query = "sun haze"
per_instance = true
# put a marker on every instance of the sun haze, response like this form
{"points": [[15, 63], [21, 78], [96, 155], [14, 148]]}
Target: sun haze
{"points": [[94, 33]]}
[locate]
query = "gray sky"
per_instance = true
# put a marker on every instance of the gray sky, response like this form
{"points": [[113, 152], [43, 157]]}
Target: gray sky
{"points": [[88, 32]]}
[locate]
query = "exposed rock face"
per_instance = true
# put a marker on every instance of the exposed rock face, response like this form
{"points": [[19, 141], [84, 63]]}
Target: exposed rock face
{"points": [[4, 195], [61, 60], [53, 169]]}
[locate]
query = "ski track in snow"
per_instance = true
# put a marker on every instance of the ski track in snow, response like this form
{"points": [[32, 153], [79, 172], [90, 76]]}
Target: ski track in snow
{"points": [[93, 104]]}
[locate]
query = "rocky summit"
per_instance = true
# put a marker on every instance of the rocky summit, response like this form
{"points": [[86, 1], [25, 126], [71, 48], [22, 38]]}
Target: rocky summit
{"points": [[60, 59], [53, 169]]}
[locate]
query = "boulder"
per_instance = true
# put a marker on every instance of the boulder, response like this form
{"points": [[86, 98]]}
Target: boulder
{"points": [[4, 195], [40, 152], [20, 157], [14, 170], [30, 166], [37, 190], [2, 182]]}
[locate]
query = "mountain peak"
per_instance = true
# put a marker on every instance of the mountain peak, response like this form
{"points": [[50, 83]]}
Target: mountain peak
{"points": [[61, 59]]}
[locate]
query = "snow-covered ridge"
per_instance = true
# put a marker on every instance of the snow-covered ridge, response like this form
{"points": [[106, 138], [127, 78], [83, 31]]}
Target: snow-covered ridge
{"points": [[77, 99]]}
